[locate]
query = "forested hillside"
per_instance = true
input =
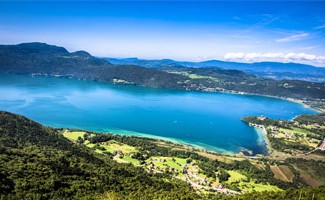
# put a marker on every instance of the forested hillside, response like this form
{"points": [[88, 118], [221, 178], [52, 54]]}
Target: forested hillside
{"points": [[38, 163], [49, 60]]}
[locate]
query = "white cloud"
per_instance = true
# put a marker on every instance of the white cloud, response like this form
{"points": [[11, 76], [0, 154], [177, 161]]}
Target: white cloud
{"points": [[308, 47], [292, 38], [282, 57], [320, 26]]}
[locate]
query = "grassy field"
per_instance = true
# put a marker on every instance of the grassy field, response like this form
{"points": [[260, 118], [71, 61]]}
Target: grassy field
{"points": [[110, 146], [131, 160], [235, 176], [92, 145], [163, 162], [248, 185], [126, 149], [74, 135], [159, 164], [283, 173], [251, 186], [195, 76]]}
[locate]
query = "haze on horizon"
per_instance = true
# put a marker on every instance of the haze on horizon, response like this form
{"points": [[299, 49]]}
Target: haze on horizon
{"points": [[193, 31]]}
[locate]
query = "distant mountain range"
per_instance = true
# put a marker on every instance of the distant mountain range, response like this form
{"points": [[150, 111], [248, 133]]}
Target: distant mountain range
{"points": [[48, 60], [273, 70], [43, 59]]}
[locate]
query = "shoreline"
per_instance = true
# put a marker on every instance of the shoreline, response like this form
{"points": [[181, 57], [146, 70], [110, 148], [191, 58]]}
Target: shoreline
{"points": [[185, 144], [299, 101], [263, 133], [168, 139], [210, 90]]}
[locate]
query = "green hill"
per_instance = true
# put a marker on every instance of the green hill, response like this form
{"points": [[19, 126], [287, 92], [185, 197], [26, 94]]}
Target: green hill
{"points": [[37, 162]]}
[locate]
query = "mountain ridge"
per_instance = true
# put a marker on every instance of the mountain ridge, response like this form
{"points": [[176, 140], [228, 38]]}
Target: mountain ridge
{"points": [[50, 60], [277, 70]]}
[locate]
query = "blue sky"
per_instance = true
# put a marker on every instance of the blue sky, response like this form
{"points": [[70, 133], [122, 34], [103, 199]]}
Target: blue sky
{"points": [[237, 31]]}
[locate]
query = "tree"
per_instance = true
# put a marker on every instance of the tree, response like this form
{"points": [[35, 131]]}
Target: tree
{"points": [[223, 175], [80, 140]]}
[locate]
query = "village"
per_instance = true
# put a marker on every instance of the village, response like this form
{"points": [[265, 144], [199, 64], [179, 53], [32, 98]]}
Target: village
{"points": [[187, 170], [297, 138]]}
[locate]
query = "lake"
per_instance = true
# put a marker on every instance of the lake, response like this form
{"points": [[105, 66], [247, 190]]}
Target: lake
{"points": [[207, 120]]}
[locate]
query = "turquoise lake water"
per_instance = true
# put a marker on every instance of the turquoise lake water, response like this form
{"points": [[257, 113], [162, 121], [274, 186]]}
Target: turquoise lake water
{"points": [[208, 120]]}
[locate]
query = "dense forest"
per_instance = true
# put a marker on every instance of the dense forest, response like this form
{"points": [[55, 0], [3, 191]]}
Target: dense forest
{"points": [[311, 119], [43, 59]]}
